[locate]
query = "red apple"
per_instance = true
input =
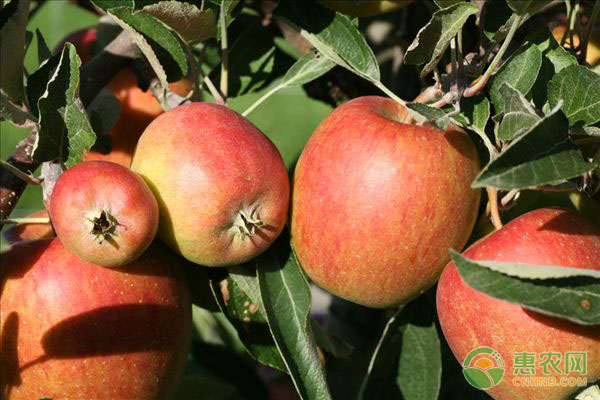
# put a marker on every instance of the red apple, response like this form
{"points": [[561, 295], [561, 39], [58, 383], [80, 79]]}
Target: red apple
{"points": [[470, 319], [20, 232], [72, 329], [221, 184], [104, 213], [377, 203]]}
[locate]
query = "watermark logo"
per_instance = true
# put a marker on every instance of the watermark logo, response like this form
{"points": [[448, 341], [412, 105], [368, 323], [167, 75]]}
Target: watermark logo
{"points": [[483, 368]]}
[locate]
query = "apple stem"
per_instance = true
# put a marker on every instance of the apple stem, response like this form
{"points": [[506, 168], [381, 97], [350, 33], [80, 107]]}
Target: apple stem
{"points": [[19, 221], [473, 90], [493, 204], [214, 91], [29, 178], [224, 50]]}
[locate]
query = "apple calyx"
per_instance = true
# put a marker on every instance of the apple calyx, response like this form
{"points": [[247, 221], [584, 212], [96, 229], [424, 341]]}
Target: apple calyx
{"points": [[104, 226], [246, 223]]}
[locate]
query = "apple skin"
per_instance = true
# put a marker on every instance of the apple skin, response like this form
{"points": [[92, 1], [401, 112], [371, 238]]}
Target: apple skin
{"points": [[20, 232], [470, 319], [92, 188], [377, 203], [210, 169], [365, 8], [72, 329]]}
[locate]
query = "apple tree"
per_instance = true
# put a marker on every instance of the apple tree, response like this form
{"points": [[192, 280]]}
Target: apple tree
{"points": [[399, 134]]}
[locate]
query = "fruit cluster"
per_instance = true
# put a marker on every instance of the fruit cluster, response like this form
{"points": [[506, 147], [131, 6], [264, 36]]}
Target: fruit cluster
{"points": [[375, 205]]}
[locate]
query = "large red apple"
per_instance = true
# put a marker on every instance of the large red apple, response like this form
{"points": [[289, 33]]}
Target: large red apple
{"points": [[471, 319], [221, 185], [75, 330], [377, 203], [104, 213]]}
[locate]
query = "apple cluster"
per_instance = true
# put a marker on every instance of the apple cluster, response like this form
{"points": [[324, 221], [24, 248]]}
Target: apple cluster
{"points": [[97, 304]]}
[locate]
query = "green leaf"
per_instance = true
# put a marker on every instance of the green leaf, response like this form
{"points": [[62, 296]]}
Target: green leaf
{"points": [[433, 39], [520, 70], [543, 156], [251, 61], [64, 130], [333, 34], [44, 52], [10, 112], [554, 59], [477, 111], [420, 365], [579, 89], [186, 19], [409, 352], [519, 115], [238, 296], [497, 20], [308, 68], [434, 115], [286, 297], [37, 82], [529, 7], [13, 24], [572, 295], [158, 43]]}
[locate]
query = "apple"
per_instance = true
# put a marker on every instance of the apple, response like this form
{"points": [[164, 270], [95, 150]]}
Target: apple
{"points": [[365, 8], [104, 213], [221, 185], [20, 232], [470, 319], [72, 329], [377, 202]]}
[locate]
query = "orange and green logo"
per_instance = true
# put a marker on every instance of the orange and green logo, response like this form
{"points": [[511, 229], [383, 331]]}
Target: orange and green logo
{"points": [[483, 368]]}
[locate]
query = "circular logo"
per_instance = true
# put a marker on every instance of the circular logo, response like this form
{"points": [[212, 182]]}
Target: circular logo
{"points": [[483, 368]]}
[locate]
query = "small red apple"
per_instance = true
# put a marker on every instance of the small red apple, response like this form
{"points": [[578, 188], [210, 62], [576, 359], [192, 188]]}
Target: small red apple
{"points": [[221, 185], [20, 232], [470, 319], [377, 202], [74, 330], [104, 213]]}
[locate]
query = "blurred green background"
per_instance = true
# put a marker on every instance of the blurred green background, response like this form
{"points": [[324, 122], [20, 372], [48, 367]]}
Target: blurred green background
{"points": [[288, 117]]}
